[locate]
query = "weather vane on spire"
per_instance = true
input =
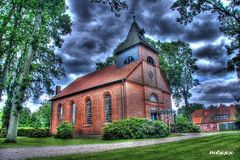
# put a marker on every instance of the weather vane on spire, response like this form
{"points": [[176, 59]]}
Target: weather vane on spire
{"points": [[133, 14]]}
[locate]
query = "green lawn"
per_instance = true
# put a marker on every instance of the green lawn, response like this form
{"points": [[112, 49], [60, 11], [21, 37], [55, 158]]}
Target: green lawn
{"points": [[51, 141], [194, 149]]}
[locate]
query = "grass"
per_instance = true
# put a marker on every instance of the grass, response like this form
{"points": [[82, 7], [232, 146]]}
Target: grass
{"points": [[194, 149], [51, 141]]}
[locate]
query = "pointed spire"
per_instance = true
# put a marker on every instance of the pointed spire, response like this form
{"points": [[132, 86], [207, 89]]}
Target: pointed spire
{"points": [[133, 15], [135, 36]]}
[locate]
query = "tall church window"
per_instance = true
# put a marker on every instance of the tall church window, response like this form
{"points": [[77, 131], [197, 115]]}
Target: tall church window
{"points": [[73, 111], [153, 98], [60, 113], [108, 108], [128, 60], [88, 112], [150, 60]]}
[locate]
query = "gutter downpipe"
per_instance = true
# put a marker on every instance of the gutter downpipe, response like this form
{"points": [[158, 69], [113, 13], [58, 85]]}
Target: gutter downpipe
{"points": [[123, 99]]}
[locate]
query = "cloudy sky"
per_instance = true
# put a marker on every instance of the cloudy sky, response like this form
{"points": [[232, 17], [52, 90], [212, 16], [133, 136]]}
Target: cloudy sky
{"points": [[96, 31]]}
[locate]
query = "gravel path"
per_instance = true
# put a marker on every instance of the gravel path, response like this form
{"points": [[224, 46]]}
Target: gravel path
{"points": [[32, 152]]}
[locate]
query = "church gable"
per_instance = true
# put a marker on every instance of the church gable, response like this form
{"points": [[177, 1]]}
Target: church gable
{"points": [[136, 75]]}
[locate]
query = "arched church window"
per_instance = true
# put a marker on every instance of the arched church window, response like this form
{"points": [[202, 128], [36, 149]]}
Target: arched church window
{"points": [[73, 111], [60, 113], [128, 60], [88, 112], [108, 108], [150, 60], [153, 98]]}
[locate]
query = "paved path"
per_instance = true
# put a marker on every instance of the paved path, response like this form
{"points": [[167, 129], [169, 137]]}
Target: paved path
{"points": [[32, 152]]}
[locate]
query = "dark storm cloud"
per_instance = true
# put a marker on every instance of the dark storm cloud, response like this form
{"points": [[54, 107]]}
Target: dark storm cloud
{"points": [[205, 28], [96, 30], [212, 60], [96, 33], [216, 91]]}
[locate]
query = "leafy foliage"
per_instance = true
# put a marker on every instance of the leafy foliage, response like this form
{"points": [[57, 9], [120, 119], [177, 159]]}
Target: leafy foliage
{"points": [[192, 107], [116, 6], [65, 131], [27, 59], [184, 126], [108, 62], [228, 16], [178, 66], [25, 117], [33, 132], [134, 128], [41, 118], [1, 114]]}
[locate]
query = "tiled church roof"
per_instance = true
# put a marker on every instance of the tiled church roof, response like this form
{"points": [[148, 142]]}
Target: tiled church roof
{"points": [[97, 78], [135, 36]]}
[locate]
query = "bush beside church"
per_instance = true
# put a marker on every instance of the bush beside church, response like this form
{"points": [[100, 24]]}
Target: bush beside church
{"points": [[135, 128]]}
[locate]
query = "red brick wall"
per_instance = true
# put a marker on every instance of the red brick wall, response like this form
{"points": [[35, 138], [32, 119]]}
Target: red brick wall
{"points": [[167, 103], [144, 53], [134, 100], [136, 75], [98, 116]]}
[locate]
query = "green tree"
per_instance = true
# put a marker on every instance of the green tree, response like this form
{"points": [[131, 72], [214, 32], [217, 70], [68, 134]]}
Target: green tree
{"points": [[44, 24], [178, 66], [108, 62], [192, 107], [43, 114], [1, 114], [25, 117], [35, 122], [116, 6], [228, 15]]}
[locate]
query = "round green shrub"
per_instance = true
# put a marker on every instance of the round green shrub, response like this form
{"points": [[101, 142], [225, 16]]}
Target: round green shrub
{"points": [[196, 129], [65, 131], [183, 126], [134, 128]]}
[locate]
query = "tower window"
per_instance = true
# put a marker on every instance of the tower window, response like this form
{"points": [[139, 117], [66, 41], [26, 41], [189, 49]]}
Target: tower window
{"points": [[150, 60], [60, 113], [153, 98], [88, 111], [73, 108], [128, 60], [108, 108]]}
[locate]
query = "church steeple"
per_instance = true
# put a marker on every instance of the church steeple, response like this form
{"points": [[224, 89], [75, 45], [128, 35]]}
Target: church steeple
{"points": [[135, 36]]}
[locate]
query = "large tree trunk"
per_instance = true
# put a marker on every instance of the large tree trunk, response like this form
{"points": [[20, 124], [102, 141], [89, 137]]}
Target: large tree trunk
{"points": [[7, 111], [22, 84], [185, 96], [9, 53]]}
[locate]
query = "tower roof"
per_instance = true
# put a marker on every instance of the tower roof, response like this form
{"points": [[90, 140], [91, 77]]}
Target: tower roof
{"points": [[135, 36]]}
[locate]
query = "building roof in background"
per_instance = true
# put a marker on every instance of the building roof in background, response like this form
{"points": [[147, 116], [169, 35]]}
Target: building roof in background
{"points": [[207, 115]]}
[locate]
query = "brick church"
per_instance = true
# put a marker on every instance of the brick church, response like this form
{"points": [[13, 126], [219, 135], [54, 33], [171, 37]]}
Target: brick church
{"points": [[134, 87]]}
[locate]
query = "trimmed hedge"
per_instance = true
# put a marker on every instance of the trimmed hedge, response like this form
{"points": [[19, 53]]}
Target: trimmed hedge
{"points": [[33, 132], [135, 128], [65, 131]]}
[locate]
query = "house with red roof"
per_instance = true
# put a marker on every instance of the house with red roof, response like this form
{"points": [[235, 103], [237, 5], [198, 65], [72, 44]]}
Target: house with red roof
{"points": [[134, 87], [216, 118]]}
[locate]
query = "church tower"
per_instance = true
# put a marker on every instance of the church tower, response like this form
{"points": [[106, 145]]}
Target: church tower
{"points": [[155, 88]]}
